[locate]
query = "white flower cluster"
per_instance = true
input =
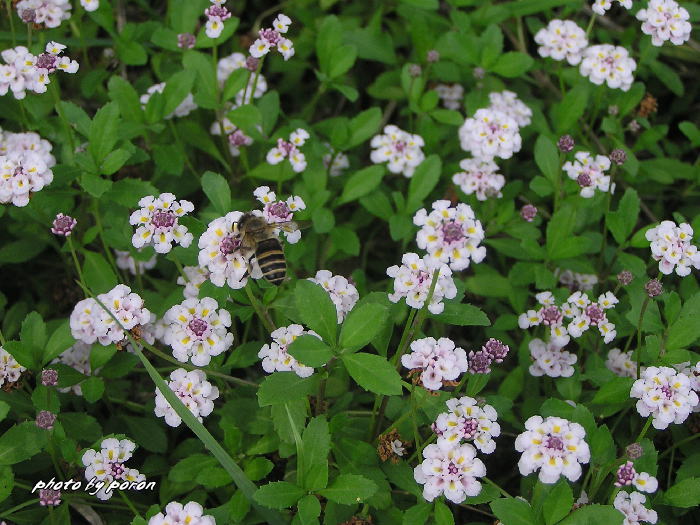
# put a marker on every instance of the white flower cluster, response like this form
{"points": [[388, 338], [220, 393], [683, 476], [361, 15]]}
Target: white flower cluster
{"points": [[196, 331], [620, 363], [562, 39], [275, 357], [579, 308], [24, 72], [438, 361], [576, 281], [90, 5], [450, 235], [290, 150], [412, 280], [670, 245], [627, 476], [490, 133], [341, 291], [25, 166], [10, 369], [272, 37], [632, 506], [508, 102], [601, 6], [554, 446], [481, 177], [195, 392], [589, 172], [605, 63], [193, 280], [157, 223], [275, 211], [183, 109], [467, 421], [125, 261], [550, 359], [78, 358], [451, 472], [50, 13], [191, 513], [400, 149], [89, 322], [216, 15], [665, 20], [108, 464], [451, 95], [665, 394], [336, 162], [225, 68]]}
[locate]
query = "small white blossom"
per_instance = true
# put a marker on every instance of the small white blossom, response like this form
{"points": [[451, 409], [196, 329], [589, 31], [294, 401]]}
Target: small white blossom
{"points": [[437, 361], [451, 95], [481, 177], [49, 13], [336, 162], [275, 357], [125, 261], [665, 20], [489, 134], [290, 150], [605, 63], [400, 149], [108, 464], [195, 392], [191, 513], [665, 394], [467, 421], [550, 359], [632, 506], [157, 223], [576, 281], [341, 291], [508, 102], [621, 363], [554, 446], [272, 37], [589, 172], [90, 5], [450, 472], [601, 6], [195, 278], [197, 331], [10, 369], [25, 166], [77, 357], [183, 109], [562, 39], [671, 246], [413, 279]]}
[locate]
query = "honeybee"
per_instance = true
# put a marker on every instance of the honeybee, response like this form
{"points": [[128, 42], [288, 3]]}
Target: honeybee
{"points": [[260, 238]]}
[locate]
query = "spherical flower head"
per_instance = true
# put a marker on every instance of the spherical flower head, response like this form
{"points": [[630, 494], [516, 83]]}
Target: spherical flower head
{"points": [[480, 177], [625, 277], [45, 419], [49, 377], [451, 95], [413, 279], [528, 212], [251, 63], [28, 15], [158, 223], [671, 246], [631, 505], [654, 288], [634, 451], [414, 70], [507, 102], [589, 172], [191, 513], [63, 225], [554, 446], [612, 65], [496, 349], [467, 420], [452, 472], [480, 362], [49, 13], [438, 361], [664, 394], [562, 40], [400, 149], [550, 359], [625, 474], [341, 291], [566, 143], [618, 156], [450, 235], [49, 497], [195, 392], [432, 56], [25, 162], [490, 133], [665, 20], [621, 363], [109, 464], [275, 357], [186, 40], [197, 331], [193, 280]]}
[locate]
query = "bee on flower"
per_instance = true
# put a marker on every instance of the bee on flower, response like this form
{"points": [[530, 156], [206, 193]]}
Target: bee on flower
{"points": [[290, 150], [158, 223], [275, 211]]}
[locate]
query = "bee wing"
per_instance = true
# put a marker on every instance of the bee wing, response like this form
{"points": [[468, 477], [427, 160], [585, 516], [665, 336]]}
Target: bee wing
{"points": [[292, 226]]}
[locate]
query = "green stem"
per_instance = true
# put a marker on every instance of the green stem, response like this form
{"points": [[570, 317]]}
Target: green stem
{"points": [[501, 490], [591, 22], [75, 261], [676, 445], [8, 4], [128, 503], [300, 448], [644, 430], [100, 231], [262, 313], [11, 511]]}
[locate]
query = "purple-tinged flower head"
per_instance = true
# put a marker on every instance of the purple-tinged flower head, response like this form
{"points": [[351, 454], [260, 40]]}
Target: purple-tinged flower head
{"points": [[414, 70], [618, 156], [63, 225], [186, 40], [625, 277], [217, 11], [49, 497], [45, 419], [238, 138], [625, 474], [566, 143], [584, 180], [479, 362], [634, 451], [496, 349], [528, 212], [654, 288], [251, 63], [28, 15], [634, 126], [479, 73], [433, 56], [49, 377]]}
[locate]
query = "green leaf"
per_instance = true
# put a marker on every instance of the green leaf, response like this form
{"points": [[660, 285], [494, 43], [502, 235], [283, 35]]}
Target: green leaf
{"points": [[248, 118], [512, 511], [323, 220], [602, 446], [218, 191], [316, 309], [686, 329], [94, 184], [363, 126], [281, 387], [512, 64], [424, 180], [316, 441], [97, 272], [104, 131], [80, 426], [21, 442], [309, 350], [93, 388], [443, 514], [33, 332], [342, 59], [566, 114], [124, 94], [127, 192], [309, 509], [7, 482], [594, 515], [617, 390], [20, 251], [684, 494], [417, 515], [621, 222], [278, 494], [201, 67], [348, 489], [460, 314], [61, 339], [373, 373], [668, 76], [447, 116], [361, 326], [147, 432], [328, 39], [361, 183], [547, 158], [558, 503], [114, 161], [4, 410], [176, 90]]}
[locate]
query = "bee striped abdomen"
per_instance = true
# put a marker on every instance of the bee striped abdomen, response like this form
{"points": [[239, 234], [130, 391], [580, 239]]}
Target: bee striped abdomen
{"points": [[271, 260]]}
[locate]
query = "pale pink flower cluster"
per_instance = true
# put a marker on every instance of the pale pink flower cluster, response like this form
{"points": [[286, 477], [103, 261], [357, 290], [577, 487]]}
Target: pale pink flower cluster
{"points": [[589, 172], [550, 359], [437, 360], [23, 71], [108, 464], [480, 177], [632, 506], [195, 392], [336, 162], [451, 95], [49, 13], [275, 211], [665, 394], [400, 149], [25, 166], [216, 15], [341, 291], [197, 331], [601, 6], [413, 279], [465, 420], [562, 39], [194, 278], [576, 281], [452, 472], [125, 261], [671, 246], [490, 133], [272, 37], [508, 102], [78, 358], [450, 235], [289, 149], [627, 475], [665, 20], [183, 109], [10, 369], [605, 63], [191, 513], [157, 223], [236, 138], [554, 446], [89, 322], [275, 357], [621, 363]]}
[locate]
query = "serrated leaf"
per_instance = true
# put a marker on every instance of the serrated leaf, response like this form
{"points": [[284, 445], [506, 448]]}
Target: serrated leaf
{"points": [[373, 373], [361, 326], [278, 494], [281, 387], [460, 314], [309, 350], [316, 309], [348, 489], [558, 503]]}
